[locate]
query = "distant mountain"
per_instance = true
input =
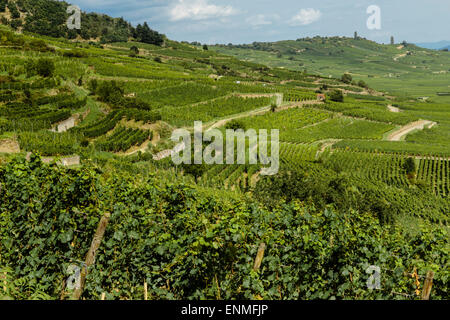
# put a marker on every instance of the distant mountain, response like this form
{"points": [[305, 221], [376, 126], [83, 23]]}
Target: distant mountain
{"points": [[434, 45], [383, 66]]}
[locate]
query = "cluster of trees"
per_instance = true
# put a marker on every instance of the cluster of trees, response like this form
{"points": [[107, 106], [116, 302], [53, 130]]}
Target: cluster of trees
{"points": [[3, 4], [348, 79], [144, 34], [48, 17], [111, 92], [336, 95]]}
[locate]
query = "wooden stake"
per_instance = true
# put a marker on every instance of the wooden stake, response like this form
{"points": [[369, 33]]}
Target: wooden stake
{"points": [[63, 290], [5, 283], [103, 296], [427, 285], [90, 257], [145, 291], [259, 256]]}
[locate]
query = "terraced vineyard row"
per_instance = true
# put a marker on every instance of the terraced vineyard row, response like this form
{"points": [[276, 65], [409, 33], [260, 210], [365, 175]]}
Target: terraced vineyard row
{"points": [[49, 143], [21, 116], [374, 166], [369, 110], [292, 154], [233, 177], [297, 96], [436, 173], [185, 116], [122, 139]]}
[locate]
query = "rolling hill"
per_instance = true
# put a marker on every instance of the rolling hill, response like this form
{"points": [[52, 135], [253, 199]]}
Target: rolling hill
{"points": [[400, 69], [85, 145]]}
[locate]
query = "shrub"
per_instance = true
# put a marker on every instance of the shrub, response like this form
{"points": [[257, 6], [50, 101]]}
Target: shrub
{"points": [[45, 67], [337, 96], [235, 125], [346, 78]]}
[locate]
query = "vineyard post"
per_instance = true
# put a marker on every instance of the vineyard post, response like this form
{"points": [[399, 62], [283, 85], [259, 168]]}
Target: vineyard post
{"points": [[5, 283], [90, 257], [427, 285], [145, 290], [103, 296], [259, 256]]}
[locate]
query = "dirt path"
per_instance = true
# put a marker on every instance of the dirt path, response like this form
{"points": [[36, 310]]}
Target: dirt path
{"points": [[399, 56], [327, 143], [9, 146], [263, 110], [142, 148], [64, 161], [65, 125], [167, 153], [403, 131], [391, 108]]}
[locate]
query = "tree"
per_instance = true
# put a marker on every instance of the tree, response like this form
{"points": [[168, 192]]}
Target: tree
{"points": [[356, 35], [205, 47], [146, 35], [110, 91], [392, 40], [135, 50], [45, 67], [3, 5], [410, 166], [336, 95], [362, 84], [15, 14], [346, 78]]}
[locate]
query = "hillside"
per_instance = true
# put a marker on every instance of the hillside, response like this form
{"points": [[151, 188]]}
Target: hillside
{"points": [[396, 69], [85, 127], [48, 18]]}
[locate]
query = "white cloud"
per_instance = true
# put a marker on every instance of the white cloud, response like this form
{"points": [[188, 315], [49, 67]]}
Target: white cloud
{"points": [[305, 17], [259, 20], [198, 10]]}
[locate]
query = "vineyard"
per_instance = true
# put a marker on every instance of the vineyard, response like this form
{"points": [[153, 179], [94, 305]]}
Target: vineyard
{"points": [[122, 139], [174, 226], [344, 197], [435, 172], [206, 112]]}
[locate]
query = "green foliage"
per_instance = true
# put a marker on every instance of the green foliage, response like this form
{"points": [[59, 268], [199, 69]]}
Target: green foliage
{"points": [[15, 14], [75, 54], [346, 78], [3, 4], [336, 95], [235, 125], [122, 139], [109, 91], [146, 35], [49, 143], [44, 67], [201, 245], [410, 166]]}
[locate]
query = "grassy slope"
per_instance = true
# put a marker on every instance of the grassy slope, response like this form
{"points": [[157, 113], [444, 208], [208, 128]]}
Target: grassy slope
{"points": [[385, 67]]}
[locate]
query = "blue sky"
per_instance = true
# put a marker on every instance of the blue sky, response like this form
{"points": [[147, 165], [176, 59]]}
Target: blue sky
{"points": [[245, 21]]}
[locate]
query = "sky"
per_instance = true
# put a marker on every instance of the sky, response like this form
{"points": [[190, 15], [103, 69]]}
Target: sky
{"points": [[246, 21]]}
